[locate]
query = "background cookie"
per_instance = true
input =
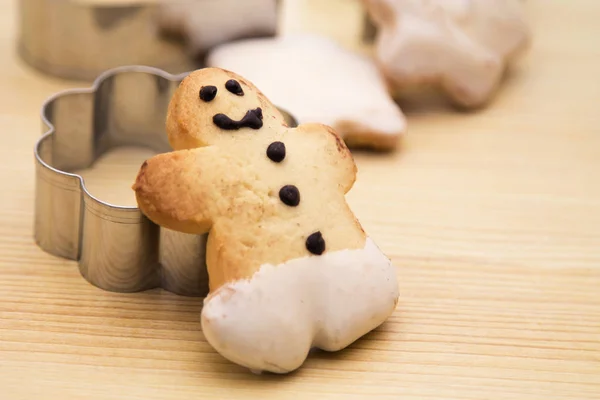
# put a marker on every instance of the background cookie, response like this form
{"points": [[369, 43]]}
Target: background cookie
{"points": [[462, 46], [206, 23], [319, 81]]}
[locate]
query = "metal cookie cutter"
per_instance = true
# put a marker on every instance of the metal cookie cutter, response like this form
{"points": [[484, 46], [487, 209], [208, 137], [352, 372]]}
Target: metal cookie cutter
{"points": [[78, 39], [117, 247]]}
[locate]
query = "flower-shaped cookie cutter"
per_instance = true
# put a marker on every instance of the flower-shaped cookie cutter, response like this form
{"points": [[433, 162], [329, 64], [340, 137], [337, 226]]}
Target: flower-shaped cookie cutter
{"points": [[117, 247]]}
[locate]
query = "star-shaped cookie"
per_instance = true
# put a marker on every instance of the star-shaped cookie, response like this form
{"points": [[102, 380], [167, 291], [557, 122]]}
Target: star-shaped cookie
{"points": [[318, 80], [460, 46]]}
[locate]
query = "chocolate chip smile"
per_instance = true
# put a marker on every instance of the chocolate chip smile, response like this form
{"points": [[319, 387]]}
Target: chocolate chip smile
{"points": [[252, 119]]}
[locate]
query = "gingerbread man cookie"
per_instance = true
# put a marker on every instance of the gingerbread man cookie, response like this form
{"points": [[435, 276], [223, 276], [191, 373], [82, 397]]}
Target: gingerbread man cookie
{"points": [[290, 267]]}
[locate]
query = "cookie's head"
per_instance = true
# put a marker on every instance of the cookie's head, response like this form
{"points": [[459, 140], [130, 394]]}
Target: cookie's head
{"points": [[213, 106]]}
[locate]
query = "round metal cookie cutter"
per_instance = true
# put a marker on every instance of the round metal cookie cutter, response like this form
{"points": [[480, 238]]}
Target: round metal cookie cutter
{"points": [[77, 39], [80, 39], [117, 247]]}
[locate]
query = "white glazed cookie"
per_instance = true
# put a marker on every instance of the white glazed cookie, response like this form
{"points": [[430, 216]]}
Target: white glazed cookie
{"points": [[290, 267], [321, 82], [460, 46], [206, 23]]}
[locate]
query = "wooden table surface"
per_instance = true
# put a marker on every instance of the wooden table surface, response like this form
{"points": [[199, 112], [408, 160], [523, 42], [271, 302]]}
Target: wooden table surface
{"points": [[492, 218]]}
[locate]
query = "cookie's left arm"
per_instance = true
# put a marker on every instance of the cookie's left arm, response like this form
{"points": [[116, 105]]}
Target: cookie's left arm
{"points": [[174, 189]]}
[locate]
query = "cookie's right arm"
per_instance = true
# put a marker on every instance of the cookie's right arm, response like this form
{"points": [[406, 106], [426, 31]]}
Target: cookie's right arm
{"points": [[336, 154], [174, 189]]}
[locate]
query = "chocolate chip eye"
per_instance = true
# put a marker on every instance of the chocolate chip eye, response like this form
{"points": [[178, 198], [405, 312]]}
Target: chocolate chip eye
{"points": [[234, 87], [208, 93]]}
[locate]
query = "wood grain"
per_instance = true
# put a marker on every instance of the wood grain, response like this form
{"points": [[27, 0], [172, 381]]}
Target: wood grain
{"points": [[492, 217]]}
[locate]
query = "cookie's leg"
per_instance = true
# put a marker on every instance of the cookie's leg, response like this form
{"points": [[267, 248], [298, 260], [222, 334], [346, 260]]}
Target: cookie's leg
{"points": [[362, 297], [261, 323]]}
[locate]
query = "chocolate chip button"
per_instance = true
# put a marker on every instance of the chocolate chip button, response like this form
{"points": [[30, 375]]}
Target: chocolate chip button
{"points": [[289, 195], [315, 243], [276, 151]]}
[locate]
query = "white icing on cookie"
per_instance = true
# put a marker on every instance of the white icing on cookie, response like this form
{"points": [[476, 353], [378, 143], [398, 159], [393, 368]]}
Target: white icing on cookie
{"points": [[206, 23], [270, 322], [319, 81]]}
